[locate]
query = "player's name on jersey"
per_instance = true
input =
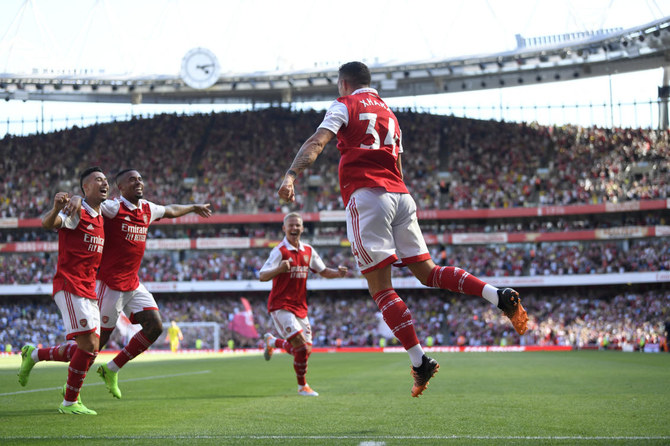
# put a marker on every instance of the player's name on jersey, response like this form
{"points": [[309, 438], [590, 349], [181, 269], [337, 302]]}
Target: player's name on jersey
{"points": [[368, 102]]}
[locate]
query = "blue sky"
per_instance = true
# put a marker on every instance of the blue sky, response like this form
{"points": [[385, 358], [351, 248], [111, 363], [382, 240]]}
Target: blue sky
{"points": [[151, 36]]}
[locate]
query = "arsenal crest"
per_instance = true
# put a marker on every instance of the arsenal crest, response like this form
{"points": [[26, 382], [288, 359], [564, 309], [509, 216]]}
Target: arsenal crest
{"points": [[305, 257], [83, 322], [146, 220], [105, 319]]}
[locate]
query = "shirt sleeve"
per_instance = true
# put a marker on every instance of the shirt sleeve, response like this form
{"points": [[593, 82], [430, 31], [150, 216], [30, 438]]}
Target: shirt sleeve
{"points": [[157, 211], [109, 208], [69, 221], [315, 263], [336, 116], [273, 261]]}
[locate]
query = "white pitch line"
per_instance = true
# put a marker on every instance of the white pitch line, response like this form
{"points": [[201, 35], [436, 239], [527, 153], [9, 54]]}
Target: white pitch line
{"points": [[101, 383], [341, 437]]}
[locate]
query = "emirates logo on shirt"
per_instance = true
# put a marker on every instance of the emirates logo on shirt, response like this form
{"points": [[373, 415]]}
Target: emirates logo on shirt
{"points": [[299, 272], [134, 233], [83, 322], [94, 242]]}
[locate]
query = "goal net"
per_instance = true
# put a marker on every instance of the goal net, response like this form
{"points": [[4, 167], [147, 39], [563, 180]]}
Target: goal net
{"points": [[197, 335]]}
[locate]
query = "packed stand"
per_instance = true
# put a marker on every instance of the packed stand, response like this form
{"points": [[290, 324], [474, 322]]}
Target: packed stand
{"points": [[578, 317], [235, 161], [272, 231]]}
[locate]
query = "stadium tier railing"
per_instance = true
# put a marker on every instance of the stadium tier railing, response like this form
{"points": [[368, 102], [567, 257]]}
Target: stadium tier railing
{"points": [[340, 216], [226, 286], [470, 238]]}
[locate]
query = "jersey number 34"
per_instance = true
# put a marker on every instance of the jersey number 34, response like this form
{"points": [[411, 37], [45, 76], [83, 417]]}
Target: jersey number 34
{"points": [[391, 139]]}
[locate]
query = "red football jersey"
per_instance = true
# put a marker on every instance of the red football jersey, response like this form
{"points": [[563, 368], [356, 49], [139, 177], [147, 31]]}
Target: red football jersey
{"points": [[80, 243], [289, 290], [369, 140], [126, 227]]}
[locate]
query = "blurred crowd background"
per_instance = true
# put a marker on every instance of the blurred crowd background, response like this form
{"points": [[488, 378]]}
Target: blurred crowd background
{"points": [[235, 161]]}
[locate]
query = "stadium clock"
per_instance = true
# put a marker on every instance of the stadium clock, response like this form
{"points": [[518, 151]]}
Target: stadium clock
{"points": [[200, 69]]}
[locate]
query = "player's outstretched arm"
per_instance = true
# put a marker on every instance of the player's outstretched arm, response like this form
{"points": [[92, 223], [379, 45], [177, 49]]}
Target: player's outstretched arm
{"points": [[307, 154], [52, 220], [177, 210], [332, 273]]}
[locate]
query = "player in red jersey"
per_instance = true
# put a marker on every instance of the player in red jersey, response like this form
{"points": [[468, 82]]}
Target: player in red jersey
{"points": [[80, 244], [381, 215], [118, 287], [288, 266]]}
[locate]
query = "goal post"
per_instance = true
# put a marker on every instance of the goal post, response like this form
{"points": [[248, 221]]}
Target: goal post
{"points": [[208, 332]]}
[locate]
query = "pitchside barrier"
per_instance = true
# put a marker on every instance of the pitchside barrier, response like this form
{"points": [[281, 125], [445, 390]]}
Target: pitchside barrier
{"points": [[440, 349], [246, 286], [650, 348]]}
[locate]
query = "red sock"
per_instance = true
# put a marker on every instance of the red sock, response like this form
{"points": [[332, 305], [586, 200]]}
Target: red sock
{"points": [[455, 279], [137, 345], [283, 343], [62, 353], [79, 364], [397, 316], [300, 363]]}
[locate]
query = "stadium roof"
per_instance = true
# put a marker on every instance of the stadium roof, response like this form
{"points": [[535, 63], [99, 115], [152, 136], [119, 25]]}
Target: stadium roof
{"points": [[537, 59]]}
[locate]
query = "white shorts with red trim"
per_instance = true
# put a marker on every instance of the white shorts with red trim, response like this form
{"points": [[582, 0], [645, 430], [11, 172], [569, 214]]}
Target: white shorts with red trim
{"points": [[288, 325], [80, 314], [382, 228], [112, 302]]}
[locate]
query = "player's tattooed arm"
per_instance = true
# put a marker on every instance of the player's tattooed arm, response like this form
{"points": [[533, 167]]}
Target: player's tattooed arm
{"points": [[307, 154], [310, 150]]}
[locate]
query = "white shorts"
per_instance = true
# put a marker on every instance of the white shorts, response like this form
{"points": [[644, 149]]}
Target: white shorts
{"points": [[112, 302], [382, 227], [288, 325], [80, 314]]}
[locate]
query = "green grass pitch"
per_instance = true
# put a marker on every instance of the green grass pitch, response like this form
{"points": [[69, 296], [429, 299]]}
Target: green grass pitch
{"points": [[584, 398]]}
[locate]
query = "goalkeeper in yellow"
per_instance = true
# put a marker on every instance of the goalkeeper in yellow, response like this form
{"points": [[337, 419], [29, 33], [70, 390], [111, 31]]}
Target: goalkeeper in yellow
{"points": [[174, 335]]}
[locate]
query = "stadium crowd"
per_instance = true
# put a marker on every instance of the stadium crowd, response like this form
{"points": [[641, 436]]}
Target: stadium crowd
{"points": [[605, 257], [577, 317], [227, 159]]}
